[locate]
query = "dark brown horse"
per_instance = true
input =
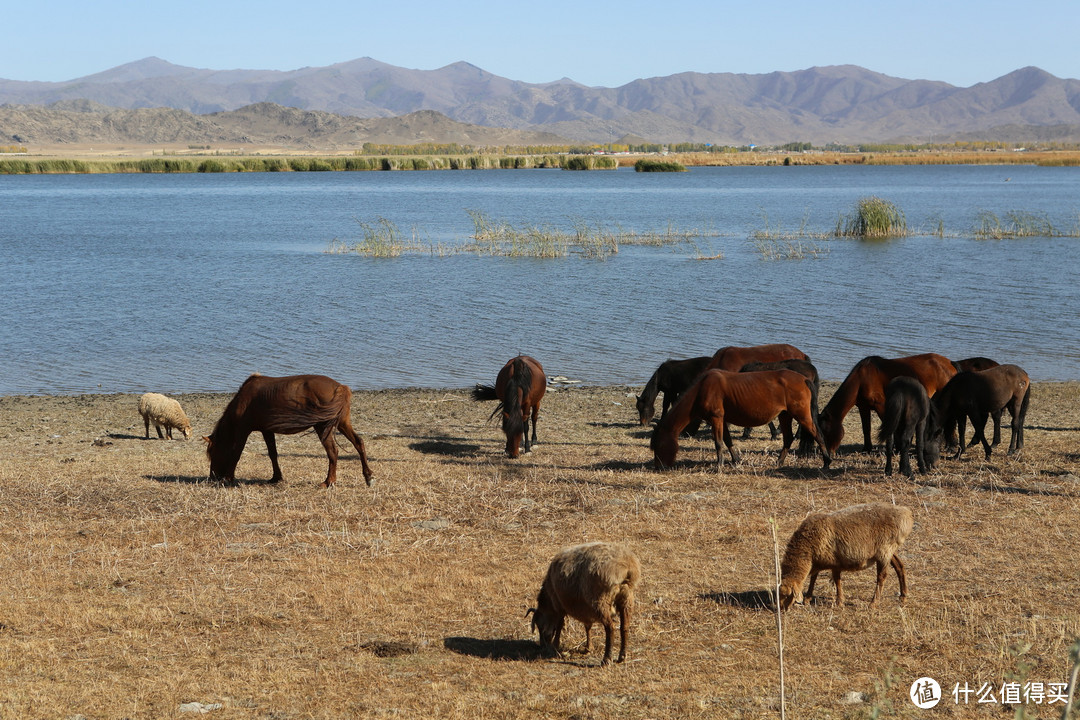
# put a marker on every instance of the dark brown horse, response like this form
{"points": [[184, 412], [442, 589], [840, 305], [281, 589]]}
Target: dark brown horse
{"points": [[520, 385], [671, 378], [747, 399], [864, 388], [732, 358], [285, 405], [909, 415], [975, 364], [977, 395]]}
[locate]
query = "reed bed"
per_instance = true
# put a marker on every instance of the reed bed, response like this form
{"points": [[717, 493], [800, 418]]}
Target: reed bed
{"points": [[646, 165], [873, 217]]}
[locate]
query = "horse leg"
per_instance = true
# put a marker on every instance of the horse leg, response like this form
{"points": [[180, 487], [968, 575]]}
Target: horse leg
{"points": [[920, 448], [525, 427], [346, 429], [535, 412], [890, 444], [326, 437], [996, 416], [772, 430], [905, 453], [864, 415], [730, 445], [719, 432], [978, 422], [746, 433], [785, 428], [271, 450], [1016, 426]]}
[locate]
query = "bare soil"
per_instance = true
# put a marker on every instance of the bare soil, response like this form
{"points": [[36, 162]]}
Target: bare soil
{"points": [[132, 585]]}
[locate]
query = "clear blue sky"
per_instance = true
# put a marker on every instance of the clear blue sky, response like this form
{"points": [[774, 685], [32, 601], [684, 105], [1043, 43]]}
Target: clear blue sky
{"points": [[596, 43]]}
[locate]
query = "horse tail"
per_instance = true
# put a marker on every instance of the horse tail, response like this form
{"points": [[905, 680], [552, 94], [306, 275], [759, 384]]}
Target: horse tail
{"points": [[806, 442], [517, 386], [1024, 403], [891, 419]]}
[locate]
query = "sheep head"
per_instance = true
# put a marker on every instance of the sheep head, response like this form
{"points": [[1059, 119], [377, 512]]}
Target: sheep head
{"points": [[790, 593], [547, 621]]}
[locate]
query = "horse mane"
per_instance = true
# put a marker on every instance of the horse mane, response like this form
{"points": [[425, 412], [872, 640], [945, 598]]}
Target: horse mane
{"points": [[517, 385], [652, 388]]}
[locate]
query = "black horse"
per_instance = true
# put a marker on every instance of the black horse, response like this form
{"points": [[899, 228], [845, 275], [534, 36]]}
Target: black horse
{"points": [[977, 396], [671, 378], [909, 414]]}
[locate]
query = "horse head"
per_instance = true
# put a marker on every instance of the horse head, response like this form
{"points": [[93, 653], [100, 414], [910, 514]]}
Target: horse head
{"points": [[646, 409]]}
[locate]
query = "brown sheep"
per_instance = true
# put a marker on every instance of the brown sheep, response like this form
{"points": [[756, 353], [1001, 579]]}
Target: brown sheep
{"points": [[848, 539], [587, 582]]}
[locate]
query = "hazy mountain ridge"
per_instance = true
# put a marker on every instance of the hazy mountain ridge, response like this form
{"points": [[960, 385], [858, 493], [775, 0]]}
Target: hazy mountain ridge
{"points": [[823, 104]]}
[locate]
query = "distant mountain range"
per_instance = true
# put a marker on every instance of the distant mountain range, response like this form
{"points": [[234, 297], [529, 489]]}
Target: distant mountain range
{"points": [[844, 104]]}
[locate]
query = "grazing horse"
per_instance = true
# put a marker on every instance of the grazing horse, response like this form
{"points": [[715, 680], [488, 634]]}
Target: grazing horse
{"points": [[909, 414], [864, 388], [748, 399], [520, 385], [975, 364], [671, 378], [977, 395], [286, 405], [803, 367]]}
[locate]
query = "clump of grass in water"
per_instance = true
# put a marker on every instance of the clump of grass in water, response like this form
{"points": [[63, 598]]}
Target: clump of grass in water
{"points": [[797, 245], [1017, 224], [380, 239], [874, 218]]}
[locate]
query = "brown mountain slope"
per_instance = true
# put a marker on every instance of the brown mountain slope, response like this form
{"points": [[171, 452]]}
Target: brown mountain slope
{"points": [[823, 104], [264, 124]]}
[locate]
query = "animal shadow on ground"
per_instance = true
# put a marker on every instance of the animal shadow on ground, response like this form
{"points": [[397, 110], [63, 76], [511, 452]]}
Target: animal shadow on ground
{"points": [[205, 480], [444, 446], [494, 649], [746, 599], [127, 436]]}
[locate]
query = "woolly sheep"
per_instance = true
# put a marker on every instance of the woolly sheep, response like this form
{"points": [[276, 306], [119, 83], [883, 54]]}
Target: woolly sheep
{"points": [[848, 539], [163, 411], [586, 582]]}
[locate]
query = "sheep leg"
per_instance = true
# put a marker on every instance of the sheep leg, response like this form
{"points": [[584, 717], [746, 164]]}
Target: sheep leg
{"points": [[809, 596], [158, 428], [625, 606], [609, 638], [839, 590], [146, 421], [898, 566], [588, 637], [882, 573], [271, 450], [346, 429]]}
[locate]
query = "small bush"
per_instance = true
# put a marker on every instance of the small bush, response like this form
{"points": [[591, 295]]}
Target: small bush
{"points": [[644, 165], [874, 218]]}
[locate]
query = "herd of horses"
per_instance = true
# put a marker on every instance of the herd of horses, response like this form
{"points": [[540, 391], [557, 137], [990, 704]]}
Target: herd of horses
{"points": [[923, 400]]}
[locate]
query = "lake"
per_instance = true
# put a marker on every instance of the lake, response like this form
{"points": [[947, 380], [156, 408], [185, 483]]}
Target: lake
{"points": [[183, 283]]}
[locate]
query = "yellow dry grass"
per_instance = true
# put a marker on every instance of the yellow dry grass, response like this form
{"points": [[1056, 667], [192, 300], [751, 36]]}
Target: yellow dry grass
{"points": [[132, 586]]}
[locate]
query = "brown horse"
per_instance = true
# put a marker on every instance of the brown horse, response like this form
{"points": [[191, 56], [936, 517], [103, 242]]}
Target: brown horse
{"points": [[520, 386], [975, 364], [286, 405], [803, 367], [864, 388], [977, 395], [732, 358], [747, 399], [671, 378]]}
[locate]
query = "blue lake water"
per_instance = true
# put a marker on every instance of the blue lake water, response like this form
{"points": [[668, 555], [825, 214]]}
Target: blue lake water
{"points": [[179, 283]]}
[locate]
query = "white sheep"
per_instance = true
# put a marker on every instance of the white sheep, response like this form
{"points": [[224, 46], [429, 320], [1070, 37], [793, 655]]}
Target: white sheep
{"points": [[587, 582], [848, 539], [163, 412]]}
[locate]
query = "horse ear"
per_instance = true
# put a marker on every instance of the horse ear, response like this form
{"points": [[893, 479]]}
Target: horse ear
{"points": [[530, 610], [206, 439]]}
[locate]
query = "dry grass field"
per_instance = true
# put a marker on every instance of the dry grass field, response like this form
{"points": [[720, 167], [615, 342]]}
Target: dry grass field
{"points": [[132, 587]]}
